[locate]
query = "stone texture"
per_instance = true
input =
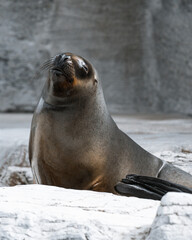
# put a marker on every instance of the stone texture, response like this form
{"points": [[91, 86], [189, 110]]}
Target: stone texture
{"points": [[141, 50], [174, 218], [172, 32], [14, 162], [46, 212], [24, 45], [17, 176]]}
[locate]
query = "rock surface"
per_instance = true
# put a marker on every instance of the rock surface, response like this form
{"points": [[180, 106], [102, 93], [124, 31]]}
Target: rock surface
{"points": [[174, 218], [46, 212], [141, 50], [14, 161], [16, 175], [23, 46]]}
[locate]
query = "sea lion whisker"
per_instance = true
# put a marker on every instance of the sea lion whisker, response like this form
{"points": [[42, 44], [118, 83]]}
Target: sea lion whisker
{"points": [[48, 61], [46, 66]]}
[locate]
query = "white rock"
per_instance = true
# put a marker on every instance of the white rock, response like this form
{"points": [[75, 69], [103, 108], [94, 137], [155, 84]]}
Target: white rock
{"points": [[16, 176], [14, 162], [14, 147], [174, 218], [46, 212]]}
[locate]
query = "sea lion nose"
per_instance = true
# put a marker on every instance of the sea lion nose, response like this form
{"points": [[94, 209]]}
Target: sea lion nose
{"points": [[64, 58], [58, 57]]}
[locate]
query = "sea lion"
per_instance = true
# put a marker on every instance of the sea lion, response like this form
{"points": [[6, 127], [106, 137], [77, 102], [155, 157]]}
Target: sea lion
{"points": [[74, 142]]}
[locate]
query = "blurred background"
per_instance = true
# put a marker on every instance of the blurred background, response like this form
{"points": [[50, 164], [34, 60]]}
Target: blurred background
{"points": [[141, 49]]}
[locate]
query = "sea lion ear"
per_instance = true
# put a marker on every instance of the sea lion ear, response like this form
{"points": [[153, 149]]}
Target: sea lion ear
{"points": [[95, 82]]}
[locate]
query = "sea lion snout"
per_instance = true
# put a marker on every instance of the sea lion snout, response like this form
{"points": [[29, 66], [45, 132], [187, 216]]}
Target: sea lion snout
{"points": [[61, 77], [64, 57], [61, 58], [56, 73], [63, 69]]}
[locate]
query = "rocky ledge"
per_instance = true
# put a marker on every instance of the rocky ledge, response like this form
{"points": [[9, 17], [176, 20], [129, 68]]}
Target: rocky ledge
{"points": [[46, 212], [174, 218]]}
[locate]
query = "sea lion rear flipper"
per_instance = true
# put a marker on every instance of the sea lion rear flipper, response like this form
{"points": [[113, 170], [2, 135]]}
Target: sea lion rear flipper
{"points": [[147, 187]]}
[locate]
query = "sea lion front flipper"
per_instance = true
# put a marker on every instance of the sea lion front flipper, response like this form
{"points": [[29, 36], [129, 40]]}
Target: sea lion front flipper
{"points": [[148, 187]]}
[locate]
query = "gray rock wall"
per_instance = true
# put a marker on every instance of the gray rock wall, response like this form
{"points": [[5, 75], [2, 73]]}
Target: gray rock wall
{"points": [[172, 51], [24, 43], [141, 49]]}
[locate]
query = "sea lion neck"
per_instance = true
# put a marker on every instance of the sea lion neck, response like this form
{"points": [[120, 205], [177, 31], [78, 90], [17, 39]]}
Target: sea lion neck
{"points": [[81, 104]]}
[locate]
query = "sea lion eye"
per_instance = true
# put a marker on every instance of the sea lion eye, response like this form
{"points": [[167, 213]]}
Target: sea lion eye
{"points": [[85, 68], [82, 65]]}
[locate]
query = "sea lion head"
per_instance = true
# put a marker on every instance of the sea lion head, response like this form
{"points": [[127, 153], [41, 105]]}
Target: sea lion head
{"points": [[70, 77]]}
